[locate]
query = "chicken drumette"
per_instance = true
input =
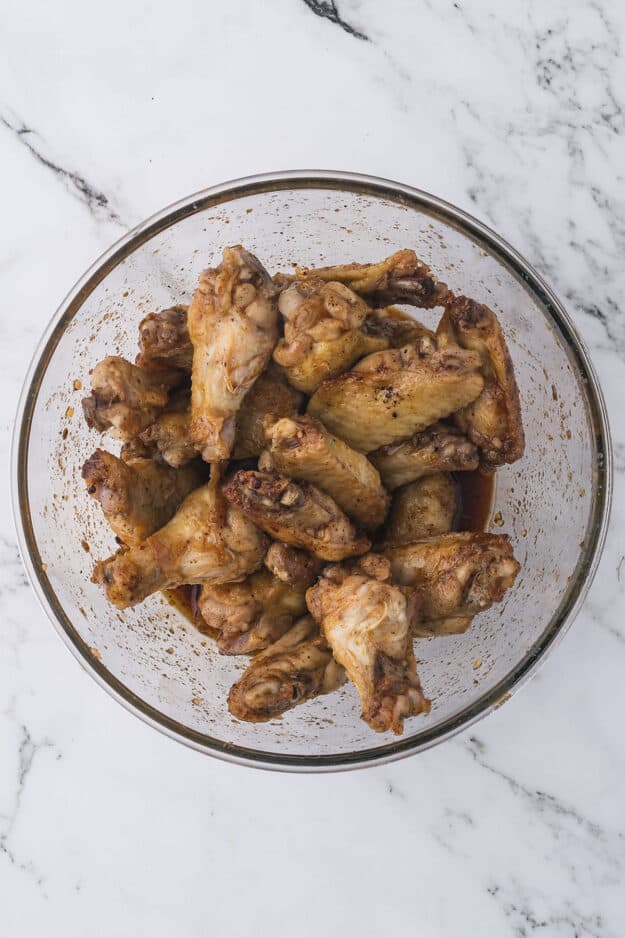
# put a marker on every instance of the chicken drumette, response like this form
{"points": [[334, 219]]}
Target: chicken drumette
{"points": [[302, 448], [457, 575], [368, 624], [492, 421], [296, 668], [390, 395], [293, 566], [297, 513], [164, 340], [233, 326], [207, 541], [322, 332], [137, 495], [421, 509]]}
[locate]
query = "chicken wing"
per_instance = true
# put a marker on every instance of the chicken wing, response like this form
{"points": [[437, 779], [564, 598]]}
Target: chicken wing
{"points": [[125, 398], [394, 327], [322, 332], [271, 394], [421, 509], [390, 395], [296, 567], [368, 623], [492, 421], [296, 513], [400, 278], [169, 437], [441, 448], [164, 340], [137, 496], [296, 668], [250, 615], [233, 324], [458, 575], [207, 541], [301, 448]]}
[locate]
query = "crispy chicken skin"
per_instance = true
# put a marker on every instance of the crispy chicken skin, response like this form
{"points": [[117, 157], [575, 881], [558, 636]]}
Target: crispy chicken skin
{"points": [[302, 448], [233, 325], [164, 340], [296, 668], [125, 398], [368, 624], [296, 567], [492, 421], [250, 615], [270, 394], [206, 541], [400, 278], [137, 496], [390, 395], [421, 509], [442, 447], [297, 513], [169, 437], [458, 575], [322, 332]]}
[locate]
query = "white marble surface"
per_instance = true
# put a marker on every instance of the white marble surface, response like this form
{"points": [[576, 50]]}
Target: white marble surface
{"points": [[514, 111]]}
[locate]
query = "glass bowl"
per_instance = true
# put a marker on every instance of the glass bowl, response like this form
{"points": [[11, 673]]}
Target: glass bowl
{"points": [[554, 503]]}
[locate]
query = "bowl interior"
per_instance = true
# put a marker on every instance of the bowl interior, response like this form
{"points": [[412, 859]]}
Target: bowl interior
{"points": [[548, 502]]}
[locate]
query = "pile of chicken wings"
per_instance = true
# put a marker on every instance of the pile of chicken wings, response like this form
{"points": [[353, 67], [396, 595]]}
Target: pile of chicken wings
{"points": [[288, 449]]}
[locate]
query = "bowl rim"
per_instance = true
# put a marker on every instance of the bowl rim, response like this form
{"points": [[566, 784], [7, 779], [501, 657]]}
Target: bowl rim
{"points": [[375, 187]]}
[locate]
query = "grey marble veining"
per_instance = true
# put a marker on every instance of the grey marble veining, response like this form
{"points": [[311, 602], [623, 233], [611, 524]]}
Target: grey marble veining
{"points": [[515, 112]]}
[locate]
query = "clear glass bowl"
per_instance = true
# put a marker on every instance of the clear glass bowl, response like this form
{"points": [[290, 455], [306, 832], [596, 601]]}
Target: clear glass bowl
{"points": [[554, 503]]}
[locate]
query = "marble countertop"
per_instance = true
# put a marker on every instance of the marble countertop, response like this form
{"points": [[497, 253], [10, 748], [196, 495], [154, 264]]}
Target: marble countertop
{"points": [[516, 113]]}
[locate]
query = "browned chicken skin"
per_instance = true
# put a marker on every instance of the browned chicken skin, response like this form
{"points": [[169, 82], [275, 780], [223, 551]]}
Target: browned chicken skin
{"points": [[125, 398], [322, 332], [296, 567], [395, 328], [368, 624], [302, 448], [270, 394], [492, 421], [137, 496], [296, 668], [252, 614], [206, 541], [297, 513], [440, 448], [458, 575], [421, 509], [164, 340], [400, 278], [233, 324], [390, 395]]}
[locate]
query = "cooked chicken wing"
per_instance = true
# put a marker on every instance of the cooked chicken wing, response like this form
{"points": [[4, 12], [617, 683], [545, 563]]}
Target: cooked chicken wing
{"points": [[296, 567], [169, 437], [390, 395], [322, 332], [270, 394], [164, 340], [137, 496], [125, 398], [368, 623], [296, 668], [400, 278], [233, 324], [422, 509], [394, 327], [492, 421], [302, 448], [296, 513], [440, 448], [207, 541], [458, 575], [250, 615]]}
